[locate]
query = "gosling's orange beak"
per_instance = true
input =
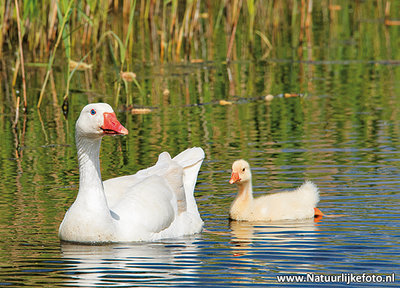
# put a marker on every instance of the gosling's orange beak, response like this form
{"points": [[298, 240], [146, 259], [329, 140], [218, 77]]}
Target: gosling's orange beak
{"points": [[112, 126], [234, 178]]}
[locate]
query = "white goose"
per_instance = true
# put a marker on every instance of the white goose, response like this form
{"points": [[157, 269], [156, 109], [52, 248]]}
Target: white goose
{"points": [[154, 203], [287, 205]]}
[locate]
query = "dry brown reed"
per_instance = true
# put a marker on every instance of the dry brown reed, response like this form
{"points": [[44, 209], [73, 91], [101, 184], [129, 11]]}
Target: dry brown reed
{"points": [[166, 31], [21, 53]]}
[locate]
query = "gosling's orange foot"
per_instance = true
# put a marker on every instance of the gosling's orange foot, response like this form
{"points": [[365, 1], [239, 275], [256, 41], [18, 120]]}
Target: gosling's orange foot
{"points": [[318, 213]]}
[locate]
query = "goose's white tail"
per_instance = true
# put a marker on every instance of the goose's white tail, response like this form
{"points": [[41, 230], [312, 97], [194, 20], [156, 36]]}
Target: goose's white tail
{"points": [[191, 160]]}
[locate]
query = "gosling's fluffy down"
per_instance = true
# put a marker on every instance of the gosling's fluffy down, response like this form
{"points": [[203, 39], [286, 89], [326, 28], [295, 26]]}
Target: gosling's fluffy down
{"points": [[287, 205]]}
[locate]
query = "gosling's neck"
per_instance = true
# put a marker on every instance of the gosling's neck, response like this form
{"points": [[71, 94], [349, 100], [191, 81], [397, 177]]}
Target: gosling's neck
{"points": [[242, 205], [245, 191]]}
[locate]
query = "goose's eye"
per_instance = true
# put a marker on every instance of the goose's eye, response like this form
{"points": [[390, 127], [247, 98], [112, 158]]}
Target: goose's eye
{"points": [[92, 112], [244, 169]]}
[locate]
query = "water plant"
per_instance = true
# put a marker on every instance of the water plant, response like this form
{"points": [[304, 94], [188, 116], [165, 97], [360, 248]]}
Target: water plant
{"points": [[169, 31], [65, 18]]}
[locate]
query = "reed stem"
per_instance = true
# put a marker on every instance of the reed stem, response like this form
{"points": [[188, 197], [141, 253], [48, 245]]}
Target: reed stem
{"points": [[21, 52], [232, 38], [53, 54]]}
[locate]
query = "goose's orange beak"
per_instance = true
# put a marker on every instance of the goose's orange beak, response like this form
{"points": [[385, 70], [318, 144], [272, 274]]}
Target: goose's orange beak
{"points": [[234, 178], [112, 126]]}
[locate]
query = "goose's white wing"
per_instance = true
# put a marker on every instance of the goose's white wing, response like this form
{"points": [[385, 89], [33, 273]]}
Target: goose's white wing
{"points": [[116, 188], [147, 208], [157, 202]]}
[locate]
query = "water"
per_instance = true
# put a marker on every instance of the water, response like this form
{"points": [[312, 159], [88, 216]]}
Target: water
{"points": [[344, 135], [350, 152]]}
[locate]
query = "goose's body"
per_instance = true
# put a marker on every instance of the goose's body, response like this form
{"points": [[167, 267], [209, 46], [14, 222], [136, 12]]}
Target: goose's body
{"points": [[287, 205], [154, 203]]}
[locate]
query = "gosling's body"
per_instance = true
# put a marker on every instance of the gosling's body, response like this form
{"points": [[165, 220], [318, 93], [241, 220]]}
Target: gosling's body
{"points": [[287, 205]]}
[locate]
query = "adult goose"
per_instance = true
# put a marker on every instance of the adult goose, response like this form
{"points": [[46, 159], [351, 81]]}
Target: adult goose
{"points": [[287, 205], [153, 204]]}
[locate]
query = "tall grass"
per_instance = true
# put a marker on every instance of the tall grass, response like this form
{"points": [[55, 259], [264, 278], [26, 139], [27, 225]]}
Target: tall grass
{"points": [[21, 54], [165, 31], [64, 18]]}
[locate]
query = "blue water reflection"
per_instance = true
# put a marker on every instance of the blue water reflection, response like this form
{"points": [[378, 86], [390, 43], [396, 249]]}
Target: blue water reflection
{"points": [[164, 263], [344, 136]]}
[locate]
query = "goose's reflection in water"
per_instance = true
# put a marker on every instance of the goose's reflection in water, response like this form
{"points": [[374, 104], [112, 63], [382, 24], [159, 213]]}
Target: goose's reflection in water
{"points": [[126, 265], [276, 239]]}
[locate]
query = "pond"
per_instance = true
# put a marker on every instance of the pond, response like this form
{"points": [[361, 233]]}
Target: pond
{"points": [[340, 129]]}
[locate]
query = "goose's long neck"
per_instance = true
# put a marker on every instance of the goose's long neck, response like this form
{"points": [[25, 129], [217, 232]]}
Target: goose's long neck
{"points": [[91, 191]]}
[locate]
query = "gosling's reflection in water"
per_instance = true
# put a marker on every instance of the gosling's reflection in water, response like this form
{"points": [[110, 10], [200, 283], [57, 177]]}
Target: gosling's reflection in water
{"points": [[124, 265], [287, 235]]}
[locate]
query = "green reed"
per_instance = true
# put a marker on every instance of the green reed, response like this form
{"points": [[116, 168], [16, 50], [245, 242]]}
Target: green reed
{"points": [[66, 40], [164, 31]]}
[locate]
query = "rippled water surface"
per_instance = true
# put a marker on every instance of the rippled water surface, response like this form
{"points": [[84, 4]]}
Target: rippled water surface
{"points": [[350, 150], [343, 133]]}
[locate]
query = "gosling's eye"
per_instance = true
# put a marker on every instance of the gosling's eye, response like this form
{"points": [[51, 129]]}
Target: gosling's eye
{"points": [[243, 169], [92, 112]]}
